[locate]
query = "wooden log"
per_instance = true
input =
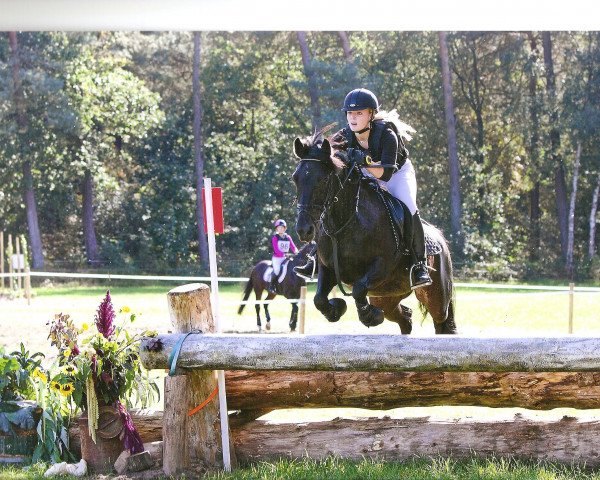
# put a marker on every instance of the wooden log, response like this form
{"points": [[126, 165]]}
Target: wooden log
{"points": [[442, 353], [190, 439], [568, 440], [248, 390]]}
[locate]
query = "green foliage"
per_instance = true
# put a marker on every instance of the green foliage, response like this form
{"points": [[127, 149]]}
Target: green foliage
{"points": [[119, 104], [437, 468], [15, 374]]}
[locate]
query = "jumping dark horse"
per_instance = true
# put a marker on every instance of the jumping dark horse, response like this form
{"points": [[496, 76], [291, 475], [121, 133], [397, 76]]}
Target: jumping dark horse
{"points": [[289, 287], [335, 206]]}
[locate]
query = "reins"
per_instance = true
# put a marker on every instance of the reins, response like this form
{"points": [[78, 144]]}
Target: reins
{"points": [[330, 200]]}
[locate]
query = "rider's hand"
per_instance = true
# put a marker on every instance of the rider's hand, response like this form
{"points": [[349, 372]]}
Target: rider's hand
{"points": [[358, 157]]}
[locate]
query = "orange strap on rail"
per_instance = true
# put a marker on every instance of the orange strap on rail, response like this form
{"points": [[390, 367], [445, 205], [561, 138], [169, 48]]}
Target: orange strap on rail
{"points": [[204, 403]]}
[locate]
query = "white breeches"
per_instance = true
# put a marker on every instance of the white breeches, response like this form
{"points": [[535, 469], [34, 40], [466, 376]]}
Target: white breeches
{"points": [[277, 261], [403, 186]]}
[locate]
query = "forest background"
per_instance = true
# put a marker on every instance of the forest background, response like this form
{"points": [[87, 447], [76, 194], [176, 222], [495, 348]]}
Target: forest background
{"points": [[105, 136]]}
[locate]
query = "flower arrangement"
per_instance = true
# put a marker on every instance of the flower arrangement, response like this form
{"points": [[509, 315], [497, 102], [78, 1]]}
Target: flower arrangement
{"points": [[100, 366]]}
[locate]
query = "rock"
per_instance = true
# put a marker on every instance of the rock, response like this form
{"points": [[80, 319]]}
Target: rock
{"points": [[136, 463], [121, 463], [139, 461]]}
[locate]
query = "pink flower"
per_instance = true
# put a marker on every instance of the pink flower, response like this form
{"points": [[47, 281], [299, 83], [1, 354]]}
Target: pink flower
{"points": [[105, 317]]}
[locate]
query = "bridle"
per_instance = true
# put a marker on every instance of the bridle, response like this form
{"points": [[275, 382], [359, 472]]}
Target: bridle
{"points": [[330, 199], [325, 209]]}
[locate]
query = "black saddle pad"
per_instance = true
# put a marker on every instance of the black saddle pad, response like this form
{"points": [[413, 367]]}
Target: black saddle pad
{"points": [[401, 219], [398, 213]]}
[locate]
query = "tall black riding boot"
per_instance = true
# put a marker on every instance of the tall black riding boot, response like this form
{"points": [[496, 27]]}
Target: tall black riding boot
{"points": [[273, 285], [419, 276]]}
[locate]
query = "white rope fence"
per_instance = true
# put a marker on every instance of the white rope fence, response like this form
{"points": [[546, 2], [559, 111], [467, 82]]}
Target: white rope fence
{"points": [[110, 276]]}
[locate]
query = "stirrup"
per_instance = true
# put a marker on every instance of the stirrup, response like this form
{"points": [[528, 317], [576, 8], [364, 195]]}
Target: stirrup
{"points": [[424, 283]]}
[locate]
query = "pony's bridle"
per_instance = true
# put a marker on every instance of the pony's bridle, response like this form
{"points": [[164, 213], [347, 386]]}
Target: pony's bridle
{"points": [[330, 199]]}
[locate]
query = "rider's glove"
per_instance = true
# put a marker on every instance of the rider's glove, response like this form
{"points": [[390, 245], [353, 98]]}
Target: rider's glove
{"points": [[358, 157]]}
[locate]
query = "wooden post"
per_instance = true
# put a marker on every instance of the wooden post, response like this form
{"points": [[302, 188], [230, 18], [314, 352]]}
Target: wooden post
{"points": [[28, 285], [571, 292], [2, 257], [302, 310], [196, 438], [11, 285], [18, 251]]}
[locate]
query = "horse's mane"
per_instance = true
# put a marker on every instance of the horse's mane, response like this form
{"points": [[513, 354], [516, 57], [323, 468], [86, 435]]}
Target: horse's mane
{"points": [[317, 138]]}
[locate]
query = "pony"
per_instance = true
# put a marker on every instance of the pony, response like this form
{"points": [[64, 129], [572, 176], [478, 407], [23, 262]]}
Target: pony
{"points": [[357, 245], [289, 287]]}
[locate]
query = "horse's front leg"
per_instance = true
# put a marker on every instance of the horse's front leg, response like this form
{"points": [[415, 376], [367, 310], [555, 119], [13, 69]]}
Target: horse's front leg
{"points": [[368, 314], [294, 317], [332, 309]]}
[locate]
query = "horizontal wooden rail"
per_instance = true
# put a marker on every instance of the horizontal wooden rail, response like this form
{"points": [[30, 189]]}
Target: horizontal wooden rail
{"points": [[373, 353], [254, 389]]}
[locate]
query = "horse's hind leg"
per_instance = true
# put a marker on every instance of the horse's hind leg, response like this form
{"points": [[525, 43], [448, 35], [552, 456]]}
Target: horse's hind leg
{"points": [[394, 311], [438, 303], [258, 323]]}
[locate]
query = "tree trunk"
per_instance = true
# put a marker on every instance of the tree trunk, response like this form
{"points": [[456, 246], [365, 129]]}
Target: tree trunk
{"points": [[477, 104], [593, 210], [345, 41], [35, 238], [89, 230], [560, 185], [571, 238], [534, 154], [312, 81], [453, 162], [198, 153]]}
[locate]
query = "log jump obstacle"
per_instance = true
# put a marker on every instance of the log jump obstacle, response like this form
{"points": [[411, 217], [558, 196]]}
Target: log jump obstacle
{"points": [[267, 372]]}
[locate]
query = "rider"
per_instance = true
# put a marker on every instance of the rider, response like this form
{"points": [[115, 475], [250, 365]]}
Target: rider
{"points": [[372, 143], [282, 244]]}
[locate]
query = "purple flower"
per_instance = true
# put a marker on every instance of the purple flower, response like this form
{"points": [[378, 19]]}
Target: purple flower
{"points": [[105, 317], [131, 438]]}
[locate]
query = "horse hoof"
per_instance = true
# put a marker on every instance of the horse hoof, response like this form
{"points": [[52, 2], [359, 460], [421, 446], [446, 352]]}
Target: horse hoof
{"points": [[268, 326], [337, 308], [369, 315]]}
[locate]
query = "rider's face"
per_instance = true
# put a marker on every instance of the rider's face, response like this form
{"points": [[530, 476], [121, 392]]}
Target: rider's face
{"points": [[280, 229], [358, 119]]}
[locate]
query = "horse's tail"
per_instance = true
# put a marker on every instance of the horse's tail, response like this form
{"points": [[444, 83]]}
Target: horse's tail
{"points": [[247, 290], [446, 272], [449, 292]]}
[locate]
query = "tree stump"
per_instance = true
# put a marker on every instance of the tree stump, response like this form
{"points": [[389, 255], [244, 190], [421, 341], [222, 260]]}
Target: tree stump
{"points": [[189, 440]]}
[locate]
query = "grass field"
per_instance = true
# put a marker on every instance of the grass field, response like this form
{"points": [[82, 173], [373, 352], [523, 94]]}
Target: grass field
{"points": [[479, 313]]}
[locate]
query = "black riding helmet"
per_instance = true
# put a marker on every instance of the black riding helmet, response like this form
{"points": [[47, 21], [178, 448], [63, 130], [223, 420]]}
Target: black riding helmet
{"points": [[360, 99]]}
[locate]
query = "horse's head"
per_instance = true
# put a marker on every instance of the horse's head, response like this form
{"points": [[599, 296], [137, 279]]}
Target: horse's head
{"points": [[311, 178]]}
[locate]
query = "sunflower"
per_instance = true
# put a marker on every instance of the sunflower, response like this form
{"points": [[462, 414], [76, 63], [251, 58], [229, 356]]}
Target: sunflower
{"points": [[69, 370], [37, 373], [56, 386], [67, 389]]}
